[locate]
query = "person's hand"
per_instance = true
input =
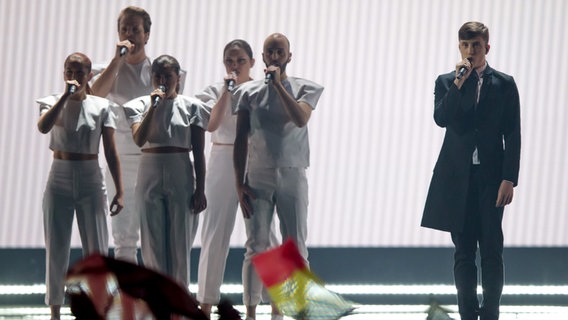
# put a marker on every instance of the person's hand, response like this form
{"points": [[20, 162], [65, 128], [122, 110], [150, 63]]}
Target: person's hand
{"points": [[273, 70], [505, 194], [71, 87], [231, 80], [246, 196], [124, 44], [198, 202], [116, 205]]}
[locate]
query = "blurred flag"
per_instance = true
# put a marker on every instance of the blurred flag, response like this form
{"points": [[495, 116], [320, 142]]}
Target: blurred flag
{"points": [[295, 290], [100, 287], [437, 312]]}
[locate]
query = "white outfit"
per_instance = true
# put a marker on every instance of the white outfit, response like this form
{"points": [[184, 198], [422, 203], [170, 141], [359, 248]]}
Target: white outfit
{"points": [[133, 80], [74, 187], [165, 184], [277, 158]]}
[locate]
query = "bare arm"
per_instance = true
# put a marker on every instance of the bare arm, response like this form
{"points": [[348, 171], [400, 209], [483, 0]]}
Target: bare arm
{"points": [[299, 112], [199, 200], [240, 153], [48, 119], [111, 156], [105, 81], [219, 110]]}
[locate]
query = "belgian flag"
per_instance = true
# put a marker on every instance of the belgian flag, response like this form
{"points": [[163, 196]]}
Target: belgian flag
{"points": [[294, 289]]}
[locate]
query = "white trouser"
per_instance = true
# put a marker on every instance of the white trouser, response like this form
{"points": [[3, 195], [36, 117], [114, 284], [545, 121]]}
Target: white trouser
{"points": [[167, 224], [218, 222], [73, 187], [287, 189], [126, 225]]}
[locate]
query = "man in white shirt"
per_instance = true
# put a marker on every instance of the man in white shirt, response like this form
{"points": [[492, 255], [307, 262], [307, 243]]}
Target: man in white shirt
{"points": [[272, 144], [128, 76]]}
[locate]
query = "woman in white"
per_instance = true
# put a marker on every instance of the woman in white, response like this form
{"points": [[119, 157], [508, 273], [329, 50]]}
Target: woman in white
{"points": [[167, 126], [76, 121], [219, 219]]}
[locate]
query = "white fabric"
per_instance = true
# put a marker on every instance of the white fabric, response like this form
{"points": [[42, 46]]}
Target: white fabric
{"points": [[225, 134], [172, 120], [287, 190], [79, 125], [167, 225], [274, 140], [73, 188], [126, 225], [132, 80], [218, 222]]}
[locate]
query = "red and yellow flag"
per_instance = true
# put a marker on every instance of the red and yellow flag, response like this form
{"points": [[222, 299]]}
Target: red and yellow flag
{"points": [[296, 291]]}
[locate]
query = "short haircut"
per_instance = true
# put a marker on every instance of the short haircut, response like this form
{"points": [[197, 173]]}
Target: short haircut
{"points": [[472, 29], [136, 11], [80, 58]]}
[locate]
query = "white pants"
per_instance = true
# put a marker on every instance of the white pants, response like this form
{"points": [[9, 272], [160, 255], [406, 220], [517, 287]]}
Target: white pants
{"points": [[167, 224], [287, 190], [217, 224], [126, 225], [73, 187]]}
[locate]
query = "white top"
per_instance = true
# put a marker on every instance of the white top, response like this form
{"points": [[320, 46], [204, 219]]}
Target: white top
{"points": [[132, 80], [172, 120], [79, 126], [225, 133], [274, 140]]}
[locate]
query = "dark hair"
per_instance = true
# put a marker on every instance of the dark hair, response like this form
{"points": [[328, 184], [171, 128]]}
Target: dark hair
{"points": [[136, 11], [472, 29], [84, 61], [241, 44], [165, 61]]}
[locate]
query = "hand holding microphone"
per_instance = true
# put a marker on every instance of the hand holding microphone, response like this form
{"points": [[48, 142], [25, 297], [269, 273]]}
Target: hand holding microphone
{"points": [[124, 47], [463, 69], [157, 95], [272, 73], [231, 81], [72, 87], [123, 51]]}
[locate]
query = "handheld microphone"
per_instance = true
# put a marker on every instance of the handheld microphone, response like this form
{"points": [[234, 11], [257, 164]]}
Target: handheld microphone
{"points": [[123, 50], [230, 85], [462, 71], [267, 78], [157, 99], [72, 88]]}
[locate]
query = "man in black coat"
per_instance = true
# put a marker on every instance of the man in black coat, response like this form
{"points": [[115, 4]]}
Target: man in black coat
{"points": [[477, 168]]}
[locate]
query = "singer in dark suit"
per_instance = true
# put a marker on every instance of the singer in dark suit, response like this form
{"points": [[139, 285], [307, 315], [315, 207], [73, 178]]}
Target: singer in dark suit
{"points": [[477, 169]]}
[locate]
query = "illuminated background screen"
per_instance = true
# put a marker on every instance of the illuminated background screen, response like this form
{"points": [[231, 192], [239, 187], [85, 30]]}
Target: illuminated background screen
{"points": [[373, 139]]}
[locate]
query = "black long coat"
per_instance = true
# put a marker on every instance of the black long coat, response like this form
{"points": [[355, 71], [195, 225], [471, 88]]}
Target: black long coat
{"points": [[494, 126]]}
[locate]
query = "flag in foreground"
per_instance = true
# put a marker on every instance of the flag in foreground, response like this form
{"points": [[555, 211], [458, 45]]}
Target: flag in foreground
{"points": [[295, 290]]}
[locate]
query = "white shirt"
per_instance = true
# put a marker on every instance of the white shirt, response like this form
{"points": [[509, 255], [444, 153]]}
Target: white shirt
{"points": [[79, 125], [172, 120], [274, 140], [225, 133]]}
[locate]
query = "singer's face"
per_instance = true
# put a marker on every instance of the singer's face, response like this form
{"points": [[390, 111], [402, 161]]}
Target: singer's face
{"points": [[166, 76], [131, 28], [236, 60], [474, 48], [276, 52], [74, 70]]}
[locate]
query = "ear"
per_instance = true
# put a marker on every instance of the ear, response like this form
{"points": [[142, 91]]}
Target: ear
{"points": [[90, 76], [146, 37], [289, 57], [252, 62], [487, 47]]}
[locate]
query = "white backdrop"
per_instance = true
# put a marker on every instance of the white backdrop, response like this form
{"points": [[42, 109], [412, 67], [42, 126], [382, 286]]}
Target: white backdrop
{"points": [[373, 140]]}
